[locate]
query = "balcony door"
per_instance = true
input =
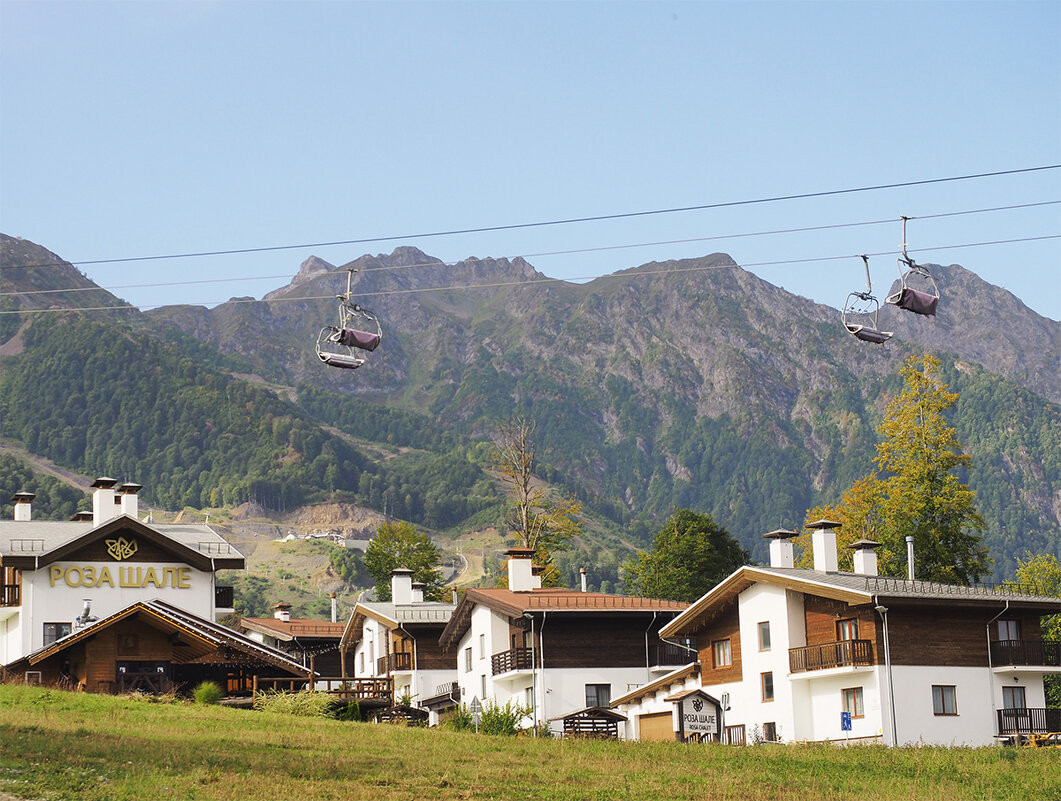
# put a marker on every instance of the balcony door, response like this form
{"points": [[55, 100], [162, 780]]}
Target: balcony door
{"points": [[1015, 714]]}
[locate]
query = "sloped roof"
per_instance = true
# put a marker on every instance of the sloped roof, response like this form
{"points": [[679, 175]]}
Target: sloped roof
{"points": [[206, 636], [35, 543], [294, 628], [515, 604], [675, 676], [854, 589], [394, 615]]}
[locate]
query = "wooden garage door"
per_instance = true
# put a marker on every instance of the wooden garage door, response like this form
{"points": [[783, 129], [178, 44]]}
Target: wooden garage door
{"points": [[656, 728]]}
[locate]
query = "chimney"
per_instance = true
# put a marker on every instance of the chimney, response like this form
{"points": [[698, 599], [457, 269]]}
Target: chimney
{"points": [[282, 612], [865, 557], [823, 542], [582, 575], [335, 608], [910, 558], [104, 507], [521, 570], [23, 506], [401, 585], [418, 592], [129, 501], [84, 516], [781, 553]]}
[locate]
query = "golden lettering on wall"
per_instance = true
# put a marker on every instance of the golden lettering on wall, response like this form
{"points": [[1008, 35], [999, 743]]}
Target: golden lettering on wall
{"points": [[179, 578], [121, 548]]}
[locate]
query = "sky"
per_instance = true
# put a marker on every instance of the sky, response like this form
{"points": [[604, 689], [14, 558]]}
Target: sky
{"points": [[136, 129]]}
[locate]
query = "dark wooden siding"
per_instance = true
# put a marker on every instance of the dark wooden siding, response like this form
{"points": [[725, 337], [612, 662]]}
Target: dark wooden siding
{"points": [[429, 655], [822, 614], [601, 640], [725, 626], [923, 635]]}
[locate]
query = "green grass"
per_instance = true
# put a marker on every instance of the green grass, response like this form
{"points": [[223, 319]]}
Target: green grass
{"points": [[57, 745]]}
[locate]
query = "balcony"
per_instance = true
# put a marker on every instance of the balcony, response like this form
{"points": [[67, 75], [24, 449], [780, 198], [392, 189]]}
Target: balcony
{"points": [[393, 662], [669, 655], [10, 595], [1025, 652], [223, 597], [512, 659], [1028, 721], [844, 653]]}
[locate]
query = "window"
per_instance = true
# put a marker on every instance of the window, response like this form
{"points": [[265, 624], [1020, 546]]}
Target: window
{"points": [[55, 631], [944, 700], [853, 701], [770, 732], [467, 659], [361, 663], [528, 697], [598, 695], [1009, 629], [1013, 698], [767, 680], [764, 636], [482, 646], [482, 685], [847, 629], [723, 658]]}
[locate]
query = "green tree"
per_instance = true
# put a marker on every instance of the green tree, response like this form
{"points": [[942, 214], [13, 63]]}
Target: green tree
{"points": [[536, 518], [403, 545], [691, 554], [1043, 572], [915, 490]]}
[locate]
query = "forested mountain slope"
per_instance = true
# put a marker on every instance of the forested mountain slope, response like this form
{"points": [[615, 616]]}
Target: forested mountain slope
{"points": [[687, 383]]}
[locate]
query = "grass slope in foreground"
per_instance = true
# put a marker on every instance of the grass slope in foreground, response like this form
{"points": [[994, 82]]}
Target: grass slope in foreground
{"points": [[63, 745]]}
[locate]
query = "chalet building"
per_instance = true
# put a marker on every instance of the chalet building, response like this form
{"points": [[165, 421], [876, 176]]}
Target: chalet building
{"points": [[556, 651], [60, 575], [399, 641], [312, 643], [819, 655]]}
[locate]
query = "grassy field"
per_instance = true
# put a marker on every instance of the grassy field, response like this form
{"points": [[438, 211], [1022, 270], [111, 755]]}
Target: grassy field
{"points": [[57, 745]]}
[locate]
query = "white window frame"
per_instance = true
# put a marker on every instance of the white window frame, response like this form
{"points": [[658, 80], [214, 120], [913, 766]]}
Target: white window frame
{"points": [[763, 630]]}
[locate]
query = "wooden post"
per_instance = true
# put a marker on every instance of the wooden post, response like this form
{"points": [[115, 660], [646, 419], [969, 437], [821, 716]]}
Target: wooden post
{"points": [[254, 685]]}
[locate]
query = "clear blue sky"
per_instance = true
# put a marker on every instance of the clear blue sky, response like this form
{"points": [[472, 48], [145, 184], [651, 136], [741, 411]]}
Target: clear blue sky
{"points": [[143, 128]]}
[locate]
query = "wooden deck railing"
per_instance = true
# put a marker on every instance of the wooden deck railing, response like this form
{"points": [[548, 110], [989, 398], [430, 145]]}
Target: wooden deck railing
{"points": [[353, 689], [512, 659], [668, 654], [10, 595], [843, 653], [388, 663], [1028, 721], [1026, 652]]}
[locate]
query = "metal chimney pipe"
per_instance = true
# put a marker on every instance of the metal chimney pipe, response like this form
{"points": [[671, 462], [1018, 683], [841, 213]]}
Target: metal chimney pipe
{"points": [[910, 558], [335, 609], [582, 573]]}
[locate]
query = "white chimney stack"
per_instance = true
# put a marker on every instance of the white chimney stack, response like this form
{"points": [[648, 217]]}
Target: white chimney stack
{"points": [[418, 592], [402, 585], [282, 612], [104, 507], [23, 506], [129, 500], [865, 557], [781, 553], [335, 608], [582, 575], [910, 558], [823, 542], [521, 570]]}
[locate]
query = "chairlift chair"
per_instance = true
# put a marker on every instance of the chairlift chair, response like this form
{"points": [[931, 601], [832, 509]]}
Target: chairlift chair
{"points": [[358, 333], [918, 292], [860, 314]]}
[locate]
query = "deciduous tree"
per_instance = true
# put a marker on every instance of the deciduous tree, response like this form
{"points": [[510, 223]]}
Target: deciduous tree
{"points": [[403, 545], [1043, 573], [690, 555]]}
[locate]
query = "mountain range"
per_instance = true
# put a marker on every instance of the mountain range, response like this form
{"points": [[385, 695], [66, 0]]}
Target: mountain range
{"points": [[686, 383]]}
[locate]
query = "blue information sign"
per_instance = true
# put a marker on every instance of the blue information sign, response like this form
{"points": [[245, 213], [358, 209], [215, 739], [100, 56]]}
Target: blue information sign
{"points": [[845, 721]]}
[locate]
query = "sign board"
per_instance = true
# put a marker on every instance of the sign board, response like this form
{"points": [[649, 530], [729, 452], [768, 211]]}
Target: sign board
{"points": [[477, 711], [698, 714], [845, 721]]}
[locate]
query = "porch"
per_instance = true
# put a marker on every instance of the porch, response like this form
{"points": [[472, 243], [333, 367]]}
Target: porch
{"points": [[1028, 721], [512, 660], [389, 663], [1022, 653]]}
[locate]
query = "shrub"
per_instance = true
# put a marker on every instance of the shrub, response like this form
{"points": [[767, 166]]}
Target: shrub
{"points": [[495, 718], [208, 693], [304, 703]]}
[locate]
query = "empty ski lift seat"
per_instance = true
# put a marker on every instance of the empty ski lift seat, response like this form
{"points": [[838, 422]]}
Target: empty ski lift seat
{"points": [[359, 339], [340, 360], [916, 301], [867, 334]]}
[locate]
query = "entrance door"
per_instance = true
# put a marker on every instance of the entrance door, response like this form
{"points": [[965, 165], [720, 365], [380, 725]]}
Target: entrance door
{"points": [[1015, 715]]}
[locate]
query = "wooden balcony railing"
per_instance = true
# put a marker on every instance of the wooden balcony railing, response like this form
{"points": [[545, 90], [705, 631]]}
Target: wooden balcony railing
{"points": [[512, 659], [1026, 652], [381, 689], [843, 653], [1028, 721], [10, 595], [668, 654], [391, 662]]}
